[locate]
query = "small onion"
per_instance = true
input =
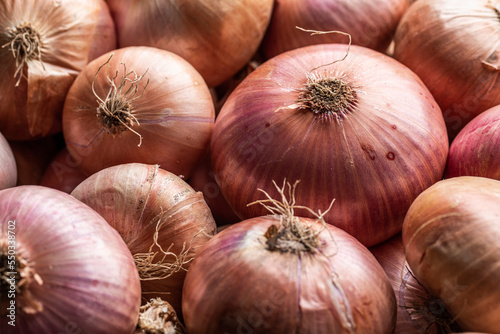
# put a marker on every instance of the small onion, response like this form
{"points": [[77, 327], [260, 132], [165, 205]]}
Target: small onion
{"points": [[452, 45], [374, 146], [371, 23], [476, 149], [62, 267], [217, 37], [286, 274], [418, 311], [43, 46], [123, 109], [450, 235], [63, 172], [8, 169], [162, 219]]}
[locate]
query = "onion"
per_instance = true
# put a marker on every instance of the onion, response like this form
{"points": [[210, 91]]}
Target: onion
{"points": [[44, 44], [64, 269], [122, 109], [371, 23], [450, 235], [374, 147], [476, 149], [418, 311], [217, 37], [285, 274], [162, 219], [452, 46], [63, 172], [8, 169]]}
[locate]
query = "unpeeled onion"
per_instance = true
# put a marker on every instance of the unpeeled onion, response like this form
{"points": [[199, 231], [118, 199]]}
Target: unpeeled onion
{"points": [[43, 46], [63, 268], [371, 23], [364, 130], [451, 237], [163, 221], [138, 104], [217, 37], [8, 169]]}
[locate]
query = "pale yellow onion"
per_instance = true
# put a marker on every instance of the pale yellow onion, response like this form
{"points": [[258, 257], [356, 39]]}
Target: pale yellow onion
{"points": [[453, 46], [8, 169], [70, 34], [217, 37], [75, 273], [450, 235], [169, 118], [371, 23], [138, 200]]}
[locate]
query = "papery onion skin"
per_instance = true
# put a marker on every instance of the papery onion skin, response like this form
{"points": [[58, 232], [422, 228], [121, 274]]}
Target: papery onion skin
{"points": [[370, 23], [134, 198], [8, 169], [63, 172], [236, 284], [71, 34], [175, 113], [217, 37], [452, 45], [450, 235], [374, 160], [88, 281], [475, 151]]}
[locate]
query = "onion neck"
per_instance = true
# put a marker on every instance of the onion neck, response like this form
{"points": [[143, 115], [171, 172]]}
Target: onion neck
{"points": [[291, 237], [327, 96]]}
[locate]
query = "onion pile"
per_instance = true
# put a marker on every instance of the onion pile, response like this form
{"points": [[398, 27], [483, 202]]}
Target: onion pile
{"points": [[476, 149], [371, 23], [8, 169], [43, 46], [285, 274], [63, 268], [452, 45], [162, 219], [450, 235], [122, 109], [363, 130], [217, 37]]}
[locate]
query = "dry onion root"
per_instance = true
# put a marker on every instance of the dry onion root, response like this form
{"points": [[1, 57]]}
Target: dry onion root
{"points": [[158, 317], [162, 219], [285, 274], [43, 46]]}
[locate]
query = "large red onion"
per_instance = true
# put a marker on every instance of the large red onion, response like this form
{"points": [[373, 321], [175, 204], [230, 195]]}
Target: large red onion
{"points": [[43, 46], [373, 147], [452, 45], [217, 37], [8, 169], [63, 268], [163, 221], [450, 235], [371, 23], [283, 274], [475, 150], [138, 104]]}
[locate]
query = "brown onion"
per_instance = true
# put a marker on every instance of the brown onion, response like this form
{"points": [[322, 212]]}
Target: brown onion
{"points": [[371, 23], [285, 274], [374, 146], [43, 46], [63, 172], [476, 149], [138, 104], [63, 268], [452, 45], [217, 37], [162, 219], [418, 311], [8, 169], [450, 235]]}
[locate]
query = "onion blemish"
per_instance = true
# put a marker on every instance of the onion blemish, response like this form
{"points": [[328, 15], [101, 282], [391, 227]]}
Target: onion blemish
{"points": [[115, 111], [25, 44]]}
